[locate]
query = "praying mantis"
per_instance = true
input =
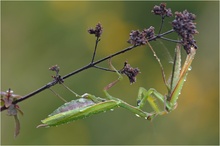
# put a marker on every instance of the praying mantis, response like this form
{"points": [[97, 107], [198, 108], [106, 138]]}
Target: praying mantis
{"points": [[87, 105]]}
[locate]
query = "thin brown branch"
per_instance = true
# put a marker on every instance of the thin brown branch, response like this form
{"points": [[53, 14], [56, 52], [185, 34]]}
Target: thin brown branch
{"points": [[90, 65]]}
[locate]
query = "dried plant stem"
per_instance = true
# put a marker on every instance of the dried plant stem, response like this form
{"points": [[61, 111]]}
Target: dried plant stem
{"points": [[90, 65]]}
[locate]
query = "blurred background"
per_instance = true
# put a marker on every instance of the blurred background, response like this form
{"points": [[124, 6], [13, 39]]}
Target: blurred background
{"points": [[37, 35]]}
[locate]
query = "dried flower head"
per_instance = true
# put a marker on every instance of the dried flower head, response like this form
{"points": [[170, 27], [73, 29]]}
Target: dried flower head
{"points": [[97, 31], [162, 10], [130, 72], [149, 33], [57, 77], [137, 38], [140, 38], [183, 24], [8, 97], [55, 68]]}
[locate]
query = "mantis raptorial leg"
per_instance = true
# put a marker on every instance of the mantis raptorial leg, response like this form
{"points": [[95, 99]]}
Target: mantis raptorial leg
{"points": [[121, 103], [178, 76]]}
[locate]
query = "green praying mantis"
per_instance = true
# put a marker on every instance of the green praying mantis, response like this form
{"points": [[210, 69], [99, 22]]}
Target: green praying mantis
{"points": [[87, 105]]}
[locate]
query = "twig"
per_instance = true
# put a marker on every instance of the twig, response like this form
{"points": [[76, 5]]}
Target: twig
{"points": [[96, 45], [171, 40], [162, 21], [105, 69], [92, 64]]}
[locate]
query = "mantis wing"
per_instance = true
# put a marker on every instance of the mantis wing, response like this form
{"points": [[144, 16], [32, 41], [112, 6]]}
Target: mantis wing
{"points": [[76, 109]]}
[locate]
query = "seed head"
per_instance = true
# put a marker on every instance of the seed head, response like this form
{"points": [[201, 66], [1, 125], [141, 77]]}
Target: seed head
{"points": [[162, 10], [130, 72], [97, 31], [183, 24], [140, 38]]}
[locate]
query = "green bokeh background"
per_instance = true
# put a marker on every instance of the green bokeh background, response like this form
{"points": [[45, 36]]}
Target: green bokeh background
{"points": [[37, 35]]}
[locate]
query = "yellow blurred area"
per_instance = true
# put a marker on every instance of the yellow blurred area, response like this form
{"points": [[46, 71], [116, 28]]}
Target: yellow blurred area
{"points": [[59, 11], [37, 35], [115, 31]]}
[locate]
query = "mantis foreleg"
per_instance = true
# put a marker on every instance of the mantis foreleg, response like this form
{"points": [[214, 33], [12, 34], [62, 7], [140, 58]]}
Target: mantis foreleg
{"points": [[150, 96]]}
